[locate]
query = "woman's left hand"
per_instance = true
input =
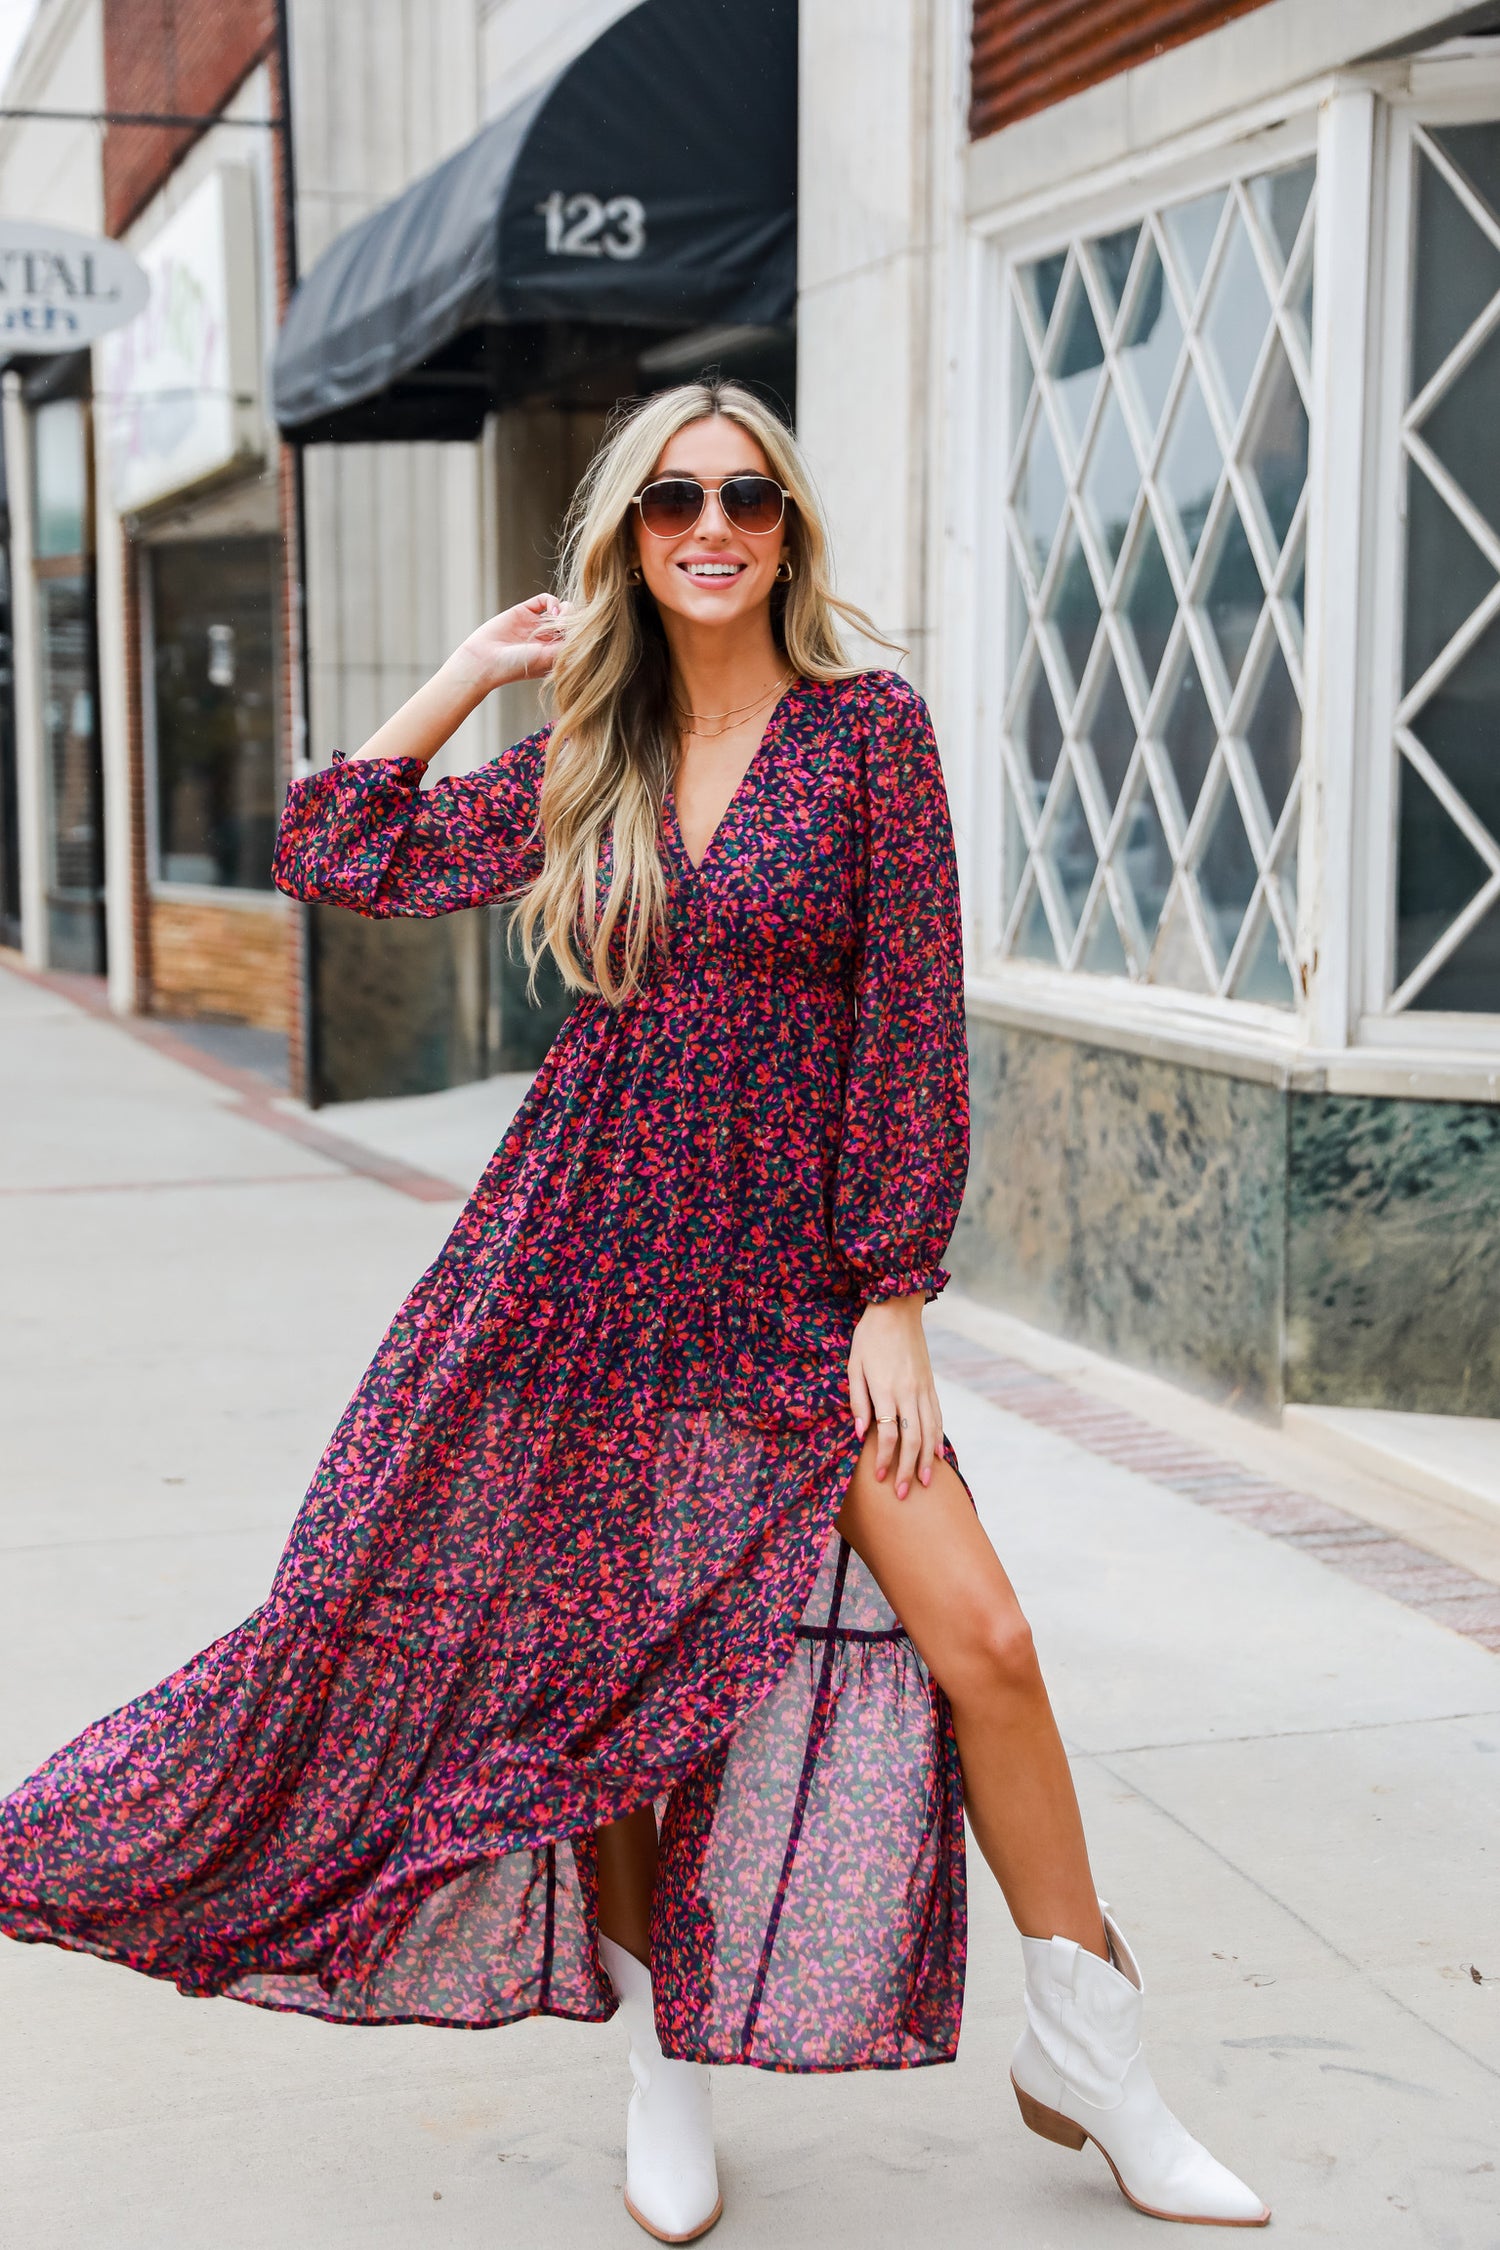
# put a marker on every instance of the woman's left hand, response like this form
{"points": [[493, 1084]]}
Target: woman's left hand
{"points": [[891, 1386]]}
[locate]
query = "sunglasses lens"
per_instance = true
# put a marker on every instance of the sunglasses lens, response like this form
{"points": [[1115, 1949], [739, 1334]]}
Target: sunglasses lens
{"points": [[671, 506], [751, 504]]}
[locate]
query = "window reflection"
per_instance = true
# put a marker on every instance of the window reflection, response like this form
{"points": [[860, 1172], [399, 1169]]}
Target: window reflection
{"points": [[213, 628]]}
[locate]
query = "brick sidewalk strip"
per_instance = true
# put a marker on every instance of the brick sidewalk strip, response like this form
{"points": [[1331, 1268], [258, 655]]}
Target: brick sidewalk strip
{"points": [[1451, 1596]]}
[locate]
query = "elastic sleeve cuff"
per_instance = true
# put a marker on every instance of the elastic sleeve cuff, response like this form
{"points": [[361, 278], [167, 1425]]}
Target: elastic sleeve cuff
{"points": [[928, 1280], [335, 840]]}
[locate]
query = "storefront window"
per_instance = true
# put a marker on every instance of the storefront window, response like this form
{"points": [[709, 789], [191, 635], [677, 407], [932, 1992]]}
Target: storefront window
{"points": [[1155, 505], [1447, 934], [59, 436], [213, 623], [63, 567]]}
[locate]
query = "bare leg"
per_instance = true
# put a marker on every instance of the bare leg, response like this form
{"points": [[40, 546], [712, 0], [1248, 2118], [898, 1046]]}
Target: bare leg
{"points": [[627, 1879], [929, 1555]]}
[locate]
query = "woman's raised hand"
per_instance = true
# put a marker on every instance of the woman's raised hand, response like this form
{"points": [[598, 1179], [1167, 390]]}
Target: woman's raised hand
{"points": [[519, 644], [891, 1387]]}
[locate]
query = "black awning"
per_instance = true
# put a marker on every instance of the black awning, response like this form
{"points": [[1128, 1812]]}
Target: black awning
{"points": [[647, 191]]}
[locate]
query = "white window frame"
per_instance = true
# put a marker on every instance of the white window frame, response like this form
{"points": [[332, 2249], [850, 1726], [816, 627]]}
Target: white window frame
{"points": [[1332, 1037], [1460, 87]]}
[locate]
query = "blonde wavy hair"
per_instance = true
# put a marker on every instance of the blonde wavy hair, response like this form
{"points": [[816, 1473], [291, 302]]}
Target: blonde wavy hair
{"points": [[613, 747]]}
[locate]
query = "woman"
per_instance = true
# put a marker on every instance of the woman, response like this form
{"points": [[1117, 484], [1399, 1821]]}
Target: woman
{"points": [[651, 1462]]}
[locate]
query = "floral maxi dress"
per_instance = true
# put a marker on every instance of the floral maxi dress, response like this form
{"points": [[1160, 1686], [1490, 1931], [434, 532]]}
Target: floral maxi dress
{"points": [[571, 1549]]}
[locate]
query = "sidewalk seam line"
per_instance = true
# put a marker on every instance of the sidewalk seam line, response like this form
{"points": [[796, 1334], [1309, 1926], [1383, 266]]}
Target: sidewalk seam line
{"points": [[257, 1099]]}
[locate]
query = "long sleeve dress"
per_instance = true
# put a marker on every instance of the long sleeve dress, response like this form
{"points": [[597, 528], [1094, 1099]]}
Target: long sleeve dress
{"points": [[571, 1549]]}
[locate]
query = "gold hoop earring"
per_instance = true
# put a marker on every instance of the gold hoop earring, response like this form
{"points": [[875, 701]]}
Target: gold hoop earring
{"points": [[784, 571], [634, 575]]}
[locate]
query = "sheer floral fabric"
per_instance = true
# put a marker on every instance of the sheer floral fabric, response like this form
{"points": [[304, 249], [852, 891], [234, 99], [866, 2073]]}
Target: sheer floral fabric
{"points": [[571, 1548]]}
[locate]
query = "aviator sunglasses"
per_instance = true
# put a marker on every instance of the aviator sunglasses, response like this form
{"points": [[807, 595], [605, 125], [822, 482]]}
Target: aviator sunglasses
{"points": [[672, 505]]}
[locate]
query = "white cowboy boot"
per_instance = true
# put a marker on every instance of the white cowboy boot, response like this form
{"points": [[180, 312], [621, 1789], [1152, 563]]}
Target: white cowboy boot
{"points": [[1079, 2075], [671, 2180]]}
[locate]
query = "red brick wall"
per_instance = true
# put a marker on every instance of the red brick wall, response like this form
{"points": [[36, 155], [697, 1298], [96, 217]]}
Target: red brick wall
{"points": [[1028, 54], [184, 56], [226, 961]]}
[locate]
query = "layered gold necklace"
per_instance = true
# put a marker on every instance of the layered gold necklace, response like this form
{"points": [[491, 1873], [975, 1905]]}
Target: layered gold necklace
{"points": [[708, 725]]}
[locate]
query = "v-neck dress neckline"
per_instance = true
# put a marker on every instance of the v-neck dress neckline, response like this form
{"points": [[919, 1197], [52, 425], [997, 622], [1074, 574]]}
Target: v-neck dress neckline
{"points": [[743, 789]]}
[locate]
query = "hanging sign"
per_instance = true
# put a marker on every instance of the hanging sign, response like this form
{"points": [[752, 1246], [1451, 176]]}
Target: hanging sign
{"points": [[180, 386], [59, 290]]}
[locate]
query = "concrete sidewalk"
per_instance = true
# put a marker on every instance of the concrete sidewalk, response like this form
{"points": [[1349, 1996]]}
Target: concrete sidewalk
{"points": [[1292, 1780]]}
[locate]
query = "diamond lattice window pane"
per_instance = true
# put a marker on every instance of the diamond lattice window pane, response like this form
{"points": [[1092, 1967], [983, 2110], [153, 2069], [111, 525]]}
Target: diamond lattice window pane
{"points": [[1302, 307], [1077, 362], [1111, 731], [1041, 493], [1277, 444], [1069, 847], [1226, 873], [1178, 957], [1160, 336], [1022, 371], [1296, 593], [1038, 728], [1103, 953], [1111, 480], [1041, 282], [1153, 344], [1188, 733], [1073, 610], [1281, 200], [1013, 848], [1456, 269], [1461, 429], [1264, 974], [1232, 596], [1192, 227], [1235, 320], [1286, 872], [1017, 608], [1149, 601], [1460, 725], [1190, 464], [1143, 858], [1446, 576], [1468, 983], [1111, 256], [1438, 871], [1273, 732], [1034, 938], [1475, 149]]}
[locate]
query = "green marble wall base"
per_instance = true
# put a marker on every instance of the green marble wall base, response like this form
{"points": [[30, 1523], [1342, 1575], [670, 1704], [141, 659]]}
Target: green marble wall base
{"points": [[1135, 1206], [1253, 1244], [1393, 1254]]}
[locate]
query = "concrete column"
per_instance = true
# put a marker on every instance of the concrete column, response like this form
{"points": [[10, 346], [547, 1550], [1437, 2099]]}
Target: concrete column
{"points": [[863, 318], [31, 779]]}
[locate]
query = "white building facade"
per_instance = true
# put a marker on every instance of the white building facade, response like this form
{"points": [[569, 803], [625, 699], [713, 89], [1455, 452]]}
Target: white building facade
{"points": [[1177, 460]]}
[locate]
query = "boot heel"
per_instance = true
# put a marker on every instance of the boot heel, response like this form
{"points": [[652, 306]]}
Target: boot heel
{"points": [[1050, 2123]]}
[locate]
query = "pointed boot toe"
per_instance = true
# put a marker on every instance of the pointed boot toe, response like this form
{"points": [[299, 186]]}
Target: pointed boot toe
{"points": [[1079, 2074]]}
